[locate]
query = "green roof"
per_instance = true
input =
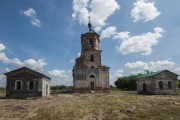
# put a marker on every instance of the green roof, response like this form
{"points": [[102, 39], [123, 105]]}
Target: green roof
{"points": [[149, 74]]}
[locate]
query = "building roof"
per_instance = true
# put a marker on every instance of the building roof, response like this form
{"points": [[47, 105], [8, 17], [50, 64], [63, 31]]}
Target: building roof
{"points": [[22, 69], [153, 74]]}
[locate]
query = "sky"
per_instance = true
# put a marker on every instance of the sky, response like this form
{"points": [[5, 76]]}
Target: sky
{"points": [[136, 35]]}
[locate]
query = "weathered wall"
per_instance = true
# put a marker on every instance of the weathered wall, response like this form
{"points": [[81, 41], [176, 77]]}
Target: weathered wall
{"points": [[82, 79], [45, 87], [165, 89], [25, 91], [149, 85], [153, 83], [38, 89]]}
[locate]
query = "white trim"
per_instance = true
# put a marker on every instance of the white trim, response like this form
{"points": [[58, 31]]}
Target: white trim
{"points": [[27, 85]]}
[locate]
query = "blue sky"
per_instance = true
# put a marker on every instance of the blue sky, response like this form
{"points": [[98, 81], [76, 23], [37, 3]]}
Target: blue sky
{"points": [[136, 35]]}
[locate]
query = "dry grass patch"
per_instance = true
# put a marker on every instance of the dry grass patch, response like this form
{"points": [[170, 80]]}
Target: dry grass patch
{"points": [[97, 106]]}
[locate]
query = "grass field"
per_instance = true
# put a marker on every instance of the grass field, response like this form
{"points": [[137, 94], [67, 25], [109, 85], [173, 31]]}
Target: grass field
{"points": [[2, 92], [115, 105]]}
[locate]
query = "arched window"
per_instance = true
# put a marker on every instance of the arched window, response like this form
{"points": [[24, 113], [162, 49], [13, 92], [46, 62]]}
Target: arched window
{"points": [[31, 85], [161, 84], [18, 85], [169, 85], [92, 76], [91, 43]]}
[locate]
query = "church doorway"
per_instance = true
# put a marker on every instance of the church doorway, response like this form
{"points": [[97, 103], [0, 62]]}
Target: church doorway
{"points": [[144, 88], [92, 82], [92, 86]]}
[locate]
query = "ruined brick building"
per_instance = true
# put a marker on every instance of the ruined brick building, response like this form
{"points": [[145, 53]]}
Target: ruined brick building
{"points": [[88, 72], [24, 82], [161, 82]]}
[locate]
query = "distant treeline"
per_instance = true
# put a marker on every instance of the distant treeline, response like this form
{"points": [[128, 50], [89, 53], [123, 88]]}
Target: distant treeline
{"points": [[61, 87], [2, 88]]}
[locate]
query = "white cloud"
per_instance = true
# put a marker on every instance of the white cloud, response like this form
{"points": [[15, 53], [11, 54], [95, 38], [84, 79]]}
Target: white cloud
{"points": [[117, 74], [73, 60], [99, 11], [122, 35], [35, 22], [108, 32], [2, 47], [140, 66], [31, 13], [57, 73], [138, 44], [35, 64], [31, 63], [4, 58], [61, 77], [7, 70], [144, 10], [177, 70], [2, 81]]}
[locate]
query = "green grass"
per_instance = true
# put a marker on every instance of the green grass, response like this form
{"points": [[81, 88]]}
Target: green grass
{"points": [[2, 92], [109, 106]]}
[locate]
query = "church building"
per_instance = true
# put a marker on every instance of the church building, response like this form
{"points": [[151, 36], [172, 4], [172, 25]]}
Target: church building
{"points": [[160, 82], [25, 82], [88, 72]]}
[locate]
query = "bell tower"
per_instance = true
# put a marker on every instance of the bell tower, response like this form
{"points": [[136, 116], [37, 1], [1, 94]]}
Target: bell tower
{"points": [[88, 72]]}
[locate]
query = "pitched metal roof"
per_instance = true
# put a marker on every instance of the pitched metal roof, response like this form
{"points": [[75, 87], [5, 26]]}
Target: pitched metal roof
{"points": [[153, 74], [150, 74]]}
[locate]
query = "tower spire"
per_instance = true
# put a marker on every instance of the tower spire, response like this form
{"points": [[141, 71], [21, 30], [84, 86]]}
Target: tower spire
{"points": [[89, 24]]}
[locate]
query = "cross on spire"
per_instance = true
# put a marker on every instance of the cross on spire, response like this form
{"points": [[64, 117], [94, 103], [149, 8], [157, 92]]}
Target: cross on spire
{"points": [[89, 18], [89, 24]]}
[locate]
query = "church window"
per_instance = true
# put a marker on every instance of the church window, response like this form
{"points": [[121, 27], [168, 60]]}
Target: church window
{"points": [[92, 58], [31, 85], [18, 85], [92, 76], [91, 43], [160, 84], [169, 85]]}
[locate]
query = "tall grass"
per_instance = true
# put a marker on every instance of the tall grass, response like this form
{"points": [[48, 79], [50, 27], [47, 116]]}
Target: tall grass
{"points": [[2, 92], [114, 106]]}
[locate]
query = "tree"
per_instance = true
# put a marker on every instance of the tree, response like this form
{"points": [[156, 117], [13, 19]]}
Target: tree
{"points": [[127, 82], [178, 84]]}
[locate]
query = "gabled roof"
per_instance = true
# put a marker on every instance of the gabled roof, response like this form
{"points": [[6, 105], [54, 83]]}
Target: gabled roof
{"points": [[22, 69], [151, 74]]}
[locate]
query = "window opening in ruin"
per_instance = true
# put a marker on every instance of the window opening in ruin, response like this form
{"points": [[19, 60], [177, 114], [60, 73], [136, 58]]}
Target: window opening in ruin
{"points": [[169, 84], [160, 84], [92, 58], [18, 85], [31, 85]]}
